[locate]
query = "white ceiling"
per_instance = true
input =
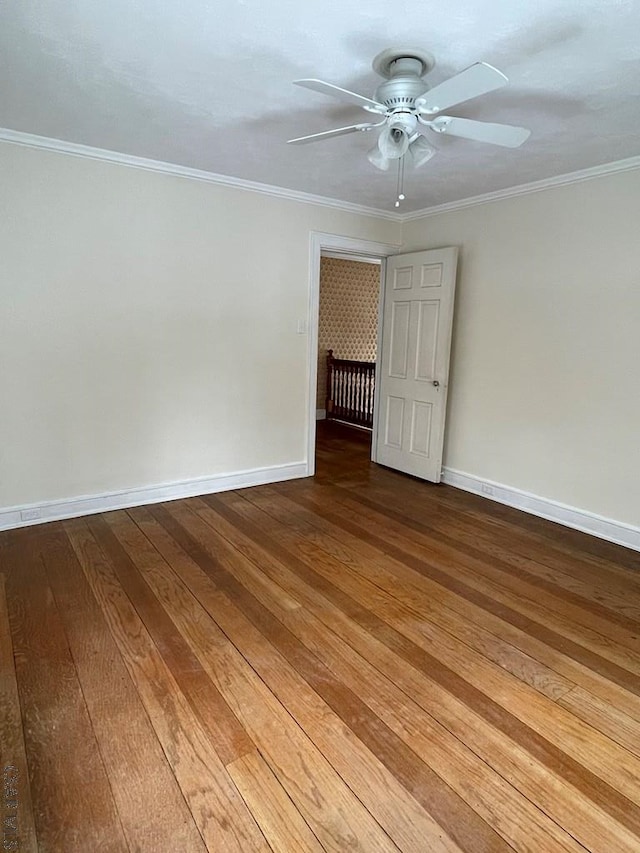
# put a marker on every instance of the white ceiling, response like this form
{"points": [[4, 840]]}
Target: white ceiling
{"points": [[208, 85]]}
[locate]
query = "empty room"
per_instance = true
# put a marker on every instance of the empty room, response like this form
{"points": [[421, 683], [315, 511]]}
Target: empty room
{"points": [[319, 416]]}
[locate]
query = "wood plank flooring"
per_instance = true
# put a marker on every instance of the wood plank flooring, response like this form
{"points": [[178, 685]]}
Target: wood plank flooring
{"points": [[358, 662]]}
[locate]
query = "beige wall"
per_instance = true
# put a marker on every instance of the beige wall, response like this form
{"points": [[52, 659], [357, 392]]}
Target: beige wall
{"points": [[148, 332], [148, 326], [348, 317], [545, 383]]}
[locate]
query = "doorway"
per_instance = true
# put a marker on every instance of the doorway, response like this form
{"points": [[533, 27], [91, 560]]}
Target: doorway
{"points": [[350, 249], [347, 347], [360, 251]]}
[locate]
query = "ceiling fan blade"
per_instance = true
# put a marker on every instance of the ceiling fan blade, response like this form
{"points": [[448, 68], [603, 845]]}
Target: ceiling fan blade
{"points": [[506, 135], [342, 94], [327, 134], [476, 80]]}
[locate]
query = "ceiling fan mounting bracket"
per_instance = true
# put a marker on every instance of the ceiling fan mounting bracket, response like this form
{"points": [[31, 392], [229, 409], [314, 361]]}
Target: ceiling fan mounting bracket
{"points": [[390, 62]]}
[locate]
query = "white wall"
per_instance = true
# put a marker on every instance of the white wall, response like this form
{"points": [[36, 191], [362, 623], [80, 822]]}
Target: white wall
{"points": [[545, 383], [148, 326]]}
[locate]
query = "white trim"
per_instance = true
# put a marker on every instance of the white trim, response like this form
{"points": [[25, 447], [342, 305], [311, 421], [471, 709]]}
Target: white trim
{"points": [[318, 243], [379, 339], [29, 140], [348, 246], [321, 414], [344, 256], [627, 165], [11, 517], [579, 519]]}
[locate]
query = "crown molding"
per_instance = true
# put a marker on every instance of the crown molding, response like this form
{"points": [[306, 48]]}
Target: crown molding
{"points": [[30, 140], [589, 174]]}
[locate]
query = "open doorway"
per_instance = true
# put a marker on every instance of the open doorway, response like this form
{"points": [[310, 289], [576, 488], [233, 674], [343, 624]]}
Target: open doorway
{"points": [[350, 249], [347, 351]]}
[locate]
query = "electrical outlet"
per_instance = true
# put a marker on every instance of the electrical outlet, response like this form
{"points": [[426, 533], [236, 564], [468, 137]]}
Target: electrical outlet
{"points": [[30, 514], [486, 489]]}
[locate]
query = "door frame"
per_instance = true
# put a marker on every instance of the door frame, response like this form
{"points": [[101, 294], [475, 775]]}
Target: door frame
{"points": [[319, 242]]}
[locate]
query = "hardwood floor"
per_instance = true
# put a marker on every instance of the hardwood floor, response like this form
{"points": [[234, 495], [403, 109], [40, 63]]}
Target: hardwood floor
{"points": [[355, 662]]}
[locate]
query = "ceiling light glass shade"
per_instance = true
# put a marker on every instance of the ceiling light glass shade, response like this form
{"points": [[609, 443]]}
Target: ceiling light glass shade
{"points": [[377, 159], [420, 151], [393, 143]]}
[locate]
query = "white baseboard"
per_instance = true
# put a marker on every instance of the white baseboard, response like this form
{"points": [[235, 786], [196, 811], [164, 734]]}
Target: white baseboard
{"points": [[579, 519], [321, 414], [28, 514]]}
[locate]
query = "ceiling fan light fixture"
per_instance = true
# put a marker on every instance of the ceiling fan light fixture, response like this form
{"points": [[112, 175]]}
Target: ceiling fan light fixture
{"points": [[377, 159], [421, 152], [393, 143]]}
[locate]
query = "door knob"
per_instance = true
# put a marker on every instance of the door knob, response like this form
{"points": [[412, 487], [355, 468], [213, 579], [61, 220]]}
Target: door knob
{"points": [[436, 383]]}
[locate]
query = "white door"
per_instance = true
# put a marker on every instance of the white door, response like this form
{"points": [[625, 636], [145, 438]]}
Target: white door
{"points": [[414, 366]]}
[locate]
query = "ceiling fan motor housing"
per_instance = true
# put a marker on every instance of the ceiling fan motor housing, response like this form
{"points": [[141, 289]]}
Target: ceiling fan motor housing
{"points": [[405, 82]]}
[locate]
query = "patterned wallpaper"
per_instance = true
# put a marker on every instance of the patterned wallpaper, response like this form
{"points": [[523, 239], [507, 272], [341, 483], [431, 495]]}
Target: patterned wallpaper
{"points": [[348, 314]]}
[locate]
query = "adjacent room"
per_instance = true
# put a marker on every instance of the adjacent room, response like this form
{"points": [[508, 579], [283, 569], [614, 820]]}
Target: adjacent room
{"points": [[319, 413]]}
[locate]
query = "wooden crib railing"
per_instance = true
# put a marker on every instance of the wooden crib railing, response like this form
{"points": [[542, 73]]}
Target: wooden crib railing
{"points": [[350, 390]]}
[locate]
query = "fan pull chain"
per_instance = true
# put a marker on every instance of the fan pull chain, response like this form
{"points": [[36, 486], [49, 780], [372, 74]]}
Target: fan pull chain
{"points": [[400, 182]]}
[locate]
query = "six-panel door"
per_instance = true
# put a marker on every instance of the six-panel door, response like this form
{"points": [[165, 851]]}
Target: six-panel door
{"points": [[414, 367]]}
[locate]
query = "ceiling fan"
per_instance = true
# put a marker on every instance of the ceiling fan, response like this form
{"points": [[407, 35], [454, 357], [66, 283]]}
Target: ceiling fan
{"points": [[408, 109]]}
